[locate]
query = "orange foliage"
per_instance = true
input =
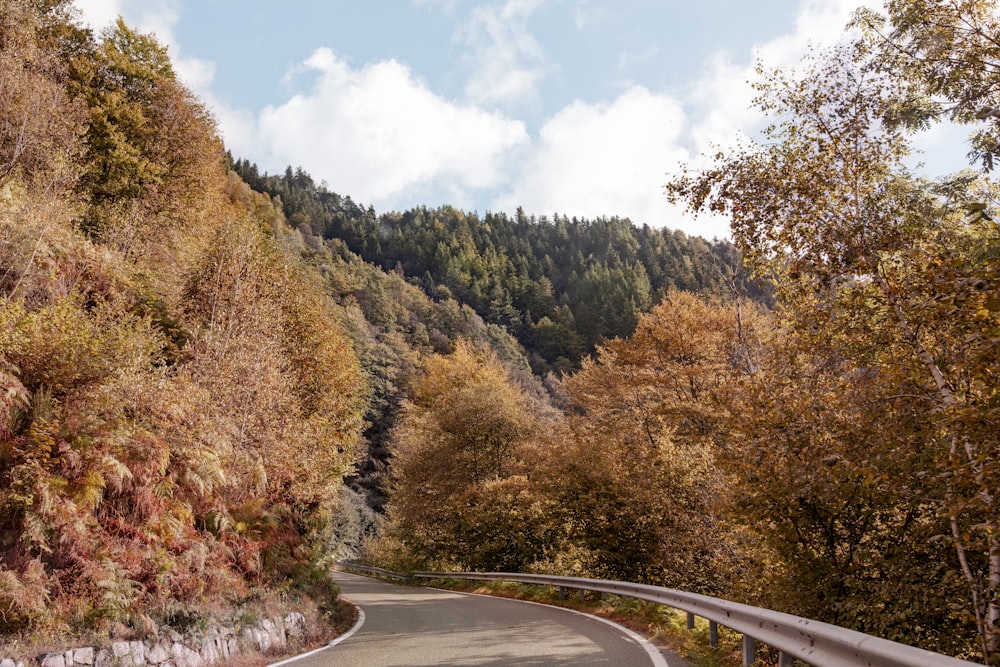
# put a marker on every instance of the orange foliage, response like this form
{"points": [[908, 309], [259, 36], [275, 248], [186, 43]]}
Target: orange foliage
{"points": [[178, 402]]}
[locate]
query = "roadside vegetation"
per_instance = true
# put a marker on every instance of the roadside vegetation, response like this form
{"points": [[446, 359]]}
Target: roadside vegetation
{"points": [[214, 382], [179, 404], [833, 456]]}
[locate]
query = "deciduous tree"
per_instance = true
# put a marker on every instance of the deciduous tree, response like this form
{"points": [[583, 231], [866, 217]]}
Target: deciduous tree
{"points": [[639, 481], [460, 494], [884, 268]]}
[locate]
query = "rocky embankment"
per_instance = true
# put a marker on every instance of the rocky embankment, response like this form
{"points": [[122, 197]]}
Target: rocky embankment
{"points": [[169, 648]]}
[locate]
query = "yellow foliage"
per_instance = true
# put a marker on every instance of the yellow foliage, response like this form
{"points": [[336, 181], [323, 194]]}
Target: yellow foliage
{"points": [[70, 343], [460, 447], [176, 395], [41, 123], [637, 477]]}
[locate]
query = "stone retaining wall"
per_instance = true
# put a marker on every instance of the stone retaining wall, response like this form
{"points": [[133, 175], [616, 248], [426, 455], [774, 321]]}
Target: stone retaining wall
{"points": [[193, 649]]}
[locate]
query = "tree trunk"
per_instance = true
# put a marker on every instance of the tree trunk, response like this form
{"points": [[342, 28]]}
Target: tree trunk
{"points": [[984, 599]]}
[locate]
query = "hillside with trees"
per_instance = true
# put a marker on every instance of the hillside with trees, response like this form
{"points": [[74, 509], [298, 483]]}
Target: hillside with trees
{"points": [[187, 380], [213, 382], [179, 401], [560, 286], [835, 457]]}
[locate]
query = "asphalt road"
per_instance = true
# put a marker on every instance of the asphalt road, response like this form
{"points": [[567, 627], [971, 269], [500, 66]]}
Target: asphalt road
{"points": [[408, 626]]}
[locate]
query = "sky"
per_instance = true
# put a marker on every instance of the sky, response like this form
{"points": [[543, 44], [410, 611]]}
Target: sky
{"points": [[573, 107]]}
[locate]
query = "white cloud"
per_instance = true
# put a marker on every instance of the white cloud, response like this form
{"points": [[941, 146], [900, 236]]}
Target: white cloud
{"points": [[99, 13], [506, 62], [447, 6], [607, 159], [614, 159], [584, 16], [720, 102], [942, 150], [722, 99], [377, 133], [819, 23], [629, 58]]}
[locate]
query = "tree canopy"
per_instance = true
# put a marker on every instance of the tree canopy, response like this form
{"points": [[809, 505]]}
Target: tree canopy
{"points": [[886, 275], [560, 285], [213, 380]]}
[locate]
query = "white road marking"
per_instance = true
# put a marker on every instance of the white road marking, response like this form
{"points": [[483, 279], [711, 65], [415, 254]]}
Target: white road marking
{"points": [[654, 653], [343, 637]]}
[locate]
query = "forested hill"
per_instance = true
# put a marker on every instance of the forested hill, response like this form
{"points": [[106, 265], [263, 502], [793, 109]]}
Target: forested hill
{"points": [[192, 368], [560, 285], [188, 375]]}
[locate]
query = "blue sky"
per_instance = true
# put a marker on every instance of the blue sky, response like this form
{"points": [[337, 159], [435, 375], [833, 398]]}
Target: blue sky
{"points": [[577, 107]]}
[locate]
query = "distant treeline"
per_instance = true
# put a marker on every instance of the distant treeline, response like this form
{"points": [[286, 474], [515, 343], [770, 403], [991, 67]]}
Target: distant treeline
{"points": [[560, 285]]}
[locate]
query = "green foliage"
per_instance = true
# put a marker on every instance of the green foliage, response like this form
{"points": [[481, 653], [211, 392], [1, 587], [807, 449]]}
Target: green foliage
{"points": [[559, 286], [392, 325]]}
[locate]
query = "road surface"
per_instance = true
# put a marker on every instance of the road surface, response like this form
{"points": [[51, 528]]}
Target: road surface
{"points": [[407, 626]]}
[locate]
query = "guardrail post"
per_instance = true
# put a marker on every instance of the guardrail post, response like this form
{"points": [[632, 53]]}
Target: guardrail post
{"points": [[581, 594], [749, 651], [825, 644], [690, 621]]}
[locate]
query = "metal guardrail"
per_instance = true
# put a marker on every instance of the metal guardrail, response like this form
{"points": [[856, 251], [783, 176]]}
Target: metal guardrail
{"points": [[374, 570], [812, 642]]}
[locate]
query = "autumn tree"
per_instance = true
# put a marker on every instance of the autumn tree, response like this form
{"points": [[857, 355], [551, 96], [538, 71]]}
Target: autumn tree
{"points": [[638, 480], [948, 53], [40, 123], [460, 494], [885, 269], [284, 386], [151, 146], [832, 471], [179, 403]]}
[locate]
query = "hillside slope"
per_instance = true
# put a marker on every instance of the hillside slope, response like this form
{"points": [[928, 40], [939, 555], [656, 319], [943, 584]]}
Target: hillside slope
{"points": [[561, 286], [179, 403]]}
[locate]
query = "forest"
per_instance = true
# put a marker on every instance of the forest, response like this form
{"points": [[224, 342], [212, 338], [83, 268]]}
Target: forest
{"points": [[214, 381], [560, 286]]}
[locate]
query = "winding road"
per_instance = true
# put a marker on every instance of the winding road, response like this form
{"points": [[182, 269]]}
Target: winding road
{"points": [[407, 626]]}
